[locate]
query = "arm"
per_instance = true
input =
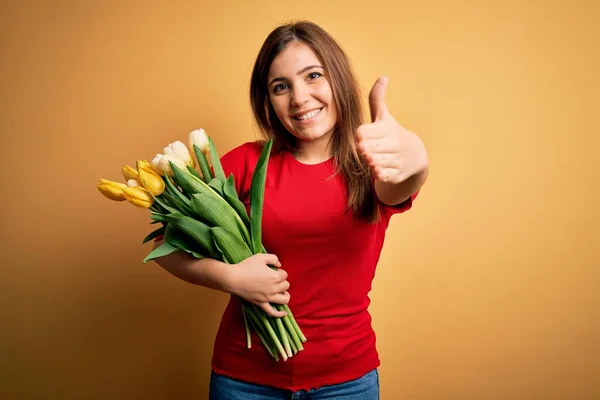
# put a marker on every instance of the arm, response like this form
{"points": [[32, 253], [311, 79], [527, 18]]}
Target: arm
{"points": [[251, 279], [207, 272], [396, 193], [397, 157]]}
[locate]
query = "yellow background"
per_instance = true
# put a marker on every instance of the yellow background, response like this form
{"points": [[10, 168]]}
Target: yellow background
{"points": [[489, 288]]}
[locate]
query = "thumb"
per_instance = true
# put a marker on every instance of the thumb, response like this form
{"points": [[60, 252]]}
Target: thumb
{"points": [[377, 104]]}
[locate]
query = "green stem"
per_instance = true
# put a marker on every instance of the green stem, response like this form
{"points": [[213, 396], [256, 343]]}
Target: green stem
{"points": [[273, 336], [294, 323], [295, 339], [284, 337], [261, 334], [248, 334]]}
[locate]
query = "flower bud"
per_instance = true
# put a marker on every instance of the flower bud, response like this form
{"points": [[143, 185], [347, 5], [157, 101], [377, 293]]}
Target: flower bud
{"points": [[138, 196], [179, 150], [111, 190], [199, 138], [150, 180], [129, 173]]}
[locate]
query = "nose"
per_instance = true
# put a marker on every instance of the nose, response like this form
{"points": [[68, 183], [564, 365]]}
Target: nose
{"points": [[300, 95]]}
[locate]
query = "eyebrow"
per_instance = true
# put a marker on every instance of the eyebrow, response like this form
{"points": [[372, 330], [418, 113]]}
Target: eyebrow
{"points": [[303, 70]]}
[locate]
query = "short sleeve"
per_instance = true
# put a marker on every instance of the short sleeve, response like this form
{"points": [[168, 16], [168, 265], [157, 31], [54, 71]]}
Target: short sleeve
{"points": [[237, 161], [401, 207]]}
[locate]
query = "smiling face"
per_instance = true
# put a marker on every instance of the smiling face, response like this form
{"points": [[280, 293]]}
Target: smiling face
{"points": [[301, 95]]}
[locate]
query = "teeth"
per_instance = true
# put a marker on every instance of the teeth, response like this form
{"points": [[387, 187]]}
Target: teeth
{"points": [[309, 115]]}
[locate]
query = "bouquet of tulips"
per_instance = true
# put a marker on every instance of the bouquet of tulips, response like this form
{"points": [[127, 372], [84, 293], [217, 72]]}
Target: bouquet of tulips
{"points": [[199, 212]]}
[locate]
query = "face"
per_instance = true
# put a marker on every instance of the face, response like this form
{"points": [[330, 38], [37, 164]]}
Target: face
{"points": [[301, 94]]}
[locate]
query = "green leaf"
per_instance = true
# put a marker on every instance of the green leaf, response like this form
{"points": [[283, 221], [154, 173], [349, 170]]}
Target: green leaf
{"points": [[216, 161], [234, 248], [217, 186], [217, 212], [199, 232], [166, 206], [181, 240], [154, 234], [257, 191], [203, 164], [194, 172], [175, 197], [232, 198], [163, 250], [157, 217], [189, 183]]}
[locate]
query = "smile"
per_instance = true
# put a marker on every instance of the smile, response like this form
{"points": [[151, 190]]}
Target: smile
{"points": [[308, 115]]}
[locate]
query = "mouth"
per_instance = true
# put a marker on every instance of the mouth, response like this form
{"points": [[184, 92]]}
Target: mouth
{"points": [[307, 115]]}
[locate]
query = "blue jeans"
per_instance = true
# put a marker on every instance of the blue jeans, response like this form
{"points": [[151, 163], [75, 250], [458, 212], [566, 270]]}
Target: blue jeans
{"points": [[363, 388]]}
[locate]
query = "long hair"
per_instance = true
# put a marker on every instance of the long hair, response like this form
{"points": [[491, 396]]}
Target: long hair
{"points": [[347, 100]]}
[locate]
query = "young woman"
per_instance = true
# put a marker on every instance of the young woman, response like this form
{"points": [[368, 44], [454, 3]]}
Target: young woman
{"points": [[333, 182]]}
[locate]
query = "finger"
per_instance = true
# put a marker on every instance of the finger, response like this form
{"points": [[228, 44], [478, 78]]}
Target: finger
{"points": [[271, 311], [281, 275], [384, 160], [272, 259], [280, 298], [386, 174], [377, 104], [283, 286], [379, 149]]}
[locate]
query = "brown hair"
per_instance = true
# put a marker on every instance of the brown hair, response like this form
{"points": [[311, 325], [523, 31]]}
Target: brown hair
{"points": [[346, 96]]}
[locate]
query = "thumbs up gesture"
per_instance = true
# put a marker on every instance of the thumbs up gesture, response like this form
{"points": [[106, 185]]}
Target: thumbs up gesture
{"points": [[393, 152]]}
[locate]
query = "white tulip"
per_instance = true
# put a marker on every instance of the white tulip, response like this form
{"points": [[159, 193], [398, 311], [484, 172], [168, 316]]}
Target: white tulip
{"points": [[199, 138], [180, 151], [155, 163], [165, 166]]}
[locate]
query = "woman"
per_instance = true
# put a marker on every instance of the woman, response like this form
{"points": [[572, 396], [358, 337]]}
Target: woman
{"points": [[332, 185]]}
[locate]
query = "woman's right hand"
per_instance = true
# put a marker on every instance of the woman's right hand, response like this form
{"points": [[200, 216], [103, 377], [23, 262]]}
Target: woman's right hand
{"points": [[254, 281]]}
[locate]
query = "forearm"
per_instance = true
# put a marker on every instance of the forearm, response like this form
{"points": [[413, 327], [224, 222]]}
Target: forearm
{"points": [[396, 193], [207, 272]]}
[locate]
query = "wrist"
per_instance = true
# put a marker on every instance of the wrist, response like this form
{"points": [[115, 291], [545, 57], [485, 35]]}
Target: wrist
{"points": [[227, 278]]}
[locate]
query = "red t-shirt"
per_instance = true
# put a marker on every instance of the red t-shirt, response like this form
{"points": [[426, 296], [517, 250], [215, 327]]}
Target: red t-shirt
{"points": [[330, 259]]}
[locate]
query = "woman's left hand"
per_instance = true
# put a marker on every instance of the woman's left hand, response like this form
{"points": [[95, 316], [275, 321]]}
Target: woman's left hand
{"points": [[393, 152]]}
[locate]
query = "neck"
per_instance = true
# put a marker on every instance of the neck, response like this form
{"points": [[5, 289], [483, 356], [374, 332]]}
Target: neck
{"points": [[314, 151]]}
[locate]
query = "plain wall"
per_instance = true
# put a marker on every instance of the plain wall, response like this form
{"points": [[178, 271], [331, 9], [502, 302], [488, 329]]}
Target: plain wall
{"points": [[487, 289]]}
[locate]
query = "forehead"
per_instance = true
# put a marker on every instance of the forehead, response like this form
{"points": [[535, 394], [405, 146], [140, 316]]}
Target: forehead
{"points": [[292, 59]]}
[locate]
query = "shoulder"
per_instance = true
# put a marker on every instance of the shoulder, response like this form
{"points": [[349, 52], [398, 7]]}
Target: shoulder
{"points": [[244, 152], [241, 154], [240, 162]]}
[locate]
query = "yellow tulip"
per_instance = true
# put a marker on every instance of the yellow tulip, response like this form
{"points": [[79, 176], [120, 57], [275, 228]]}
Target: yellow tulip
{"points": [[129, 172], [150, 180], [138, 196], [112, 190], [143, 164]]}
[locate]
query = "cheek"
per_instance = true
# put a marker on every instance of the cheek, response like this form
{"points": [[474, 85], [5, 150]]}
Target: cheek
{"points": [[280, 108]]}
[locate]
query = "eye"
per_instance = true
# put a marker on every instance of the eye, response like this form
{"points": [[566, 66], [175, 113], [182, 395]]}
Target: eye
{"points": [[278, 88], [314, 75]]}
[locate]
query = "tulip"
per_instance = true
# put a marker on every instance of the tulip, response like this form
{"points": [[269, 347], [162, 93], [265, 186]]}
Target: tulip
{"points": [[160, 163], [129, 173], [138, 196], [199, 138], [133, 183], [143, 164], [149, 179], [112, 190], [179, 150]]}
